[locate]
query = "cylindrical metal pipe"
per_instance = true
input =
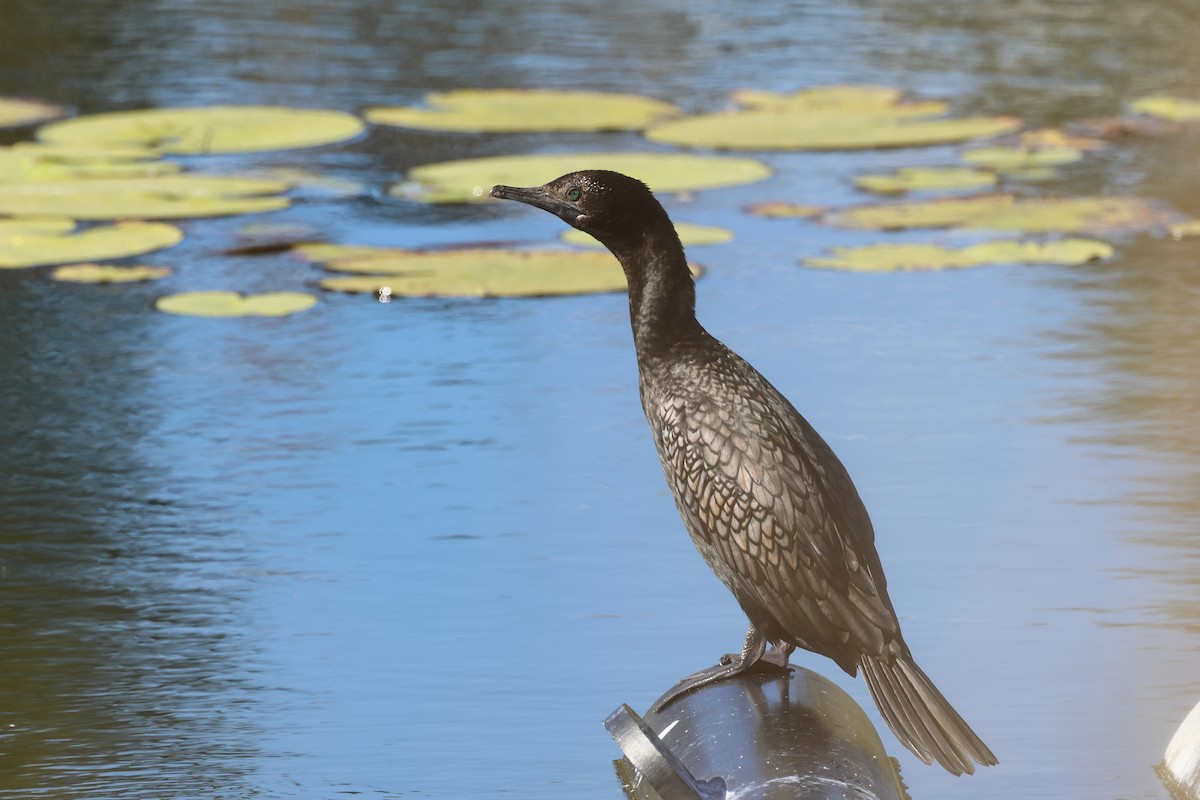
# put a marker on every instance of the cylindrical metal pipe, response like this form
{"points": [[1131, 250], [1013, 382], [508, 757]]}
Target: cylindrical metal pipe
{"points": [[770, 738], [1180, 769]]}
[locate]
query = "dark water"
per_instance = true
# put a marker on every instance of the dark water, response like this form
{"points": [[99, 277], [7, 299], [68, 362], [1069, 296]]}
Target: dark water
{"points": [[421, 549]]}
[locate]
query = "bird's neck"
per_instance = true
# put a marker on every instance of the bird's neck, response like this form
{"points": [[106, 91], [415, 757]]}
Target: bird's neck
{"points": [[662, 294]]}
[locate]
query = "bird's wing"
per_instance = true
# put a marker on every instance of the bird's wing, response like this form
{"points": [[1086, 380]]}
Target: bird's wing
{"points": [[775, 514]]}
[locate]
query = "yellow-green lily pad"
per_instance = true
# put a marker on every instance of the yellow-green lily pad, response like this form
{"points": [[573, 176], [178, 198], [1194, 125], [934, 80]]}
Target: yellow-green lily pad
{"points": [[908, 257], [470, 180], [827, 118], [166, 197], [1185, 229], [232, 304], [515, 110], [1006, 159], [106, 273], [17, 111], [1175, 109], [1004, 212], [474, 272], [780, 209], [210, 129], [37, 242], [690, 235], [27, 162], [926, 179]]}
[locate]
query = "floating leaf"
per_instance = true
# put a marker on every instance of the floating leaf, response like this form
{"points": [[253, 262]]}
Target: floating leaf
{"points": [[1007, 213], [827, 118], [470, 180], [513, 110], [474, 272], [168, 197], [104, 273], [210, 129], [1174, 109], [925, 179], [690, 235], [17, 111], [26, 161], [1185, 229], [36, 242], [1054, 138], [1005, 159], [232, 304], [778, 209], [906, 257]]}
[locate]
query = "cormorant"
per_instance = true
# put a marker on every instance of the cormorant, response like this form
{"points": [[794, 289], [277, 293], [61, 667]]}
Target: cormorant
{"points": [[767, 503]]}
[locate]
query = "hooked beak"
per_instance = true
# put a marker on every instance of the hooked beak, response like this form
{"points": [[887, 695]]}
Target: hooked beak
{"points": [[540, 197]]}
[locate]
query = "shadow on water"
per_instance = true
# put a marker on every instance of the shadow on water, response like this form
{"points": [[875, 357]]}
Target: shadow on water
{"points": [[423, 548]]}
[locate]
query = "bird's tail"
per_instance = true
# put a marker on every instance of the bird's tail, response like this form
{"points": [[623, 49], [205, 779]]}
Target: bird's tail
{"points": [[921, 718]]}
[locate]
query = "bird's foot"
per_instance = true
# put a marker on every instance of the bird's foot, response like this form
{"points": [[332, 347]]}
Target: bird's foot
{"points": [[731, 664]]}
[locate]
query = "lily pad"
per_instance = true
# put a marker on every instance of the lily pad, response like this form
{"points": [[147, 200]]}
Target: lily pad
{"points": [[827, 118], [474, 272], [1174, 109], [907, 257], [515, 110], [926, 179], [37, 242], [779, 209], [17, 111], [167, 197], [1006, 159], [210, 129], [690, 235], [1003, 212], [1183, 230], [105, 273], [1054, 138], [27, 161], [468, 181], [232, 304]]}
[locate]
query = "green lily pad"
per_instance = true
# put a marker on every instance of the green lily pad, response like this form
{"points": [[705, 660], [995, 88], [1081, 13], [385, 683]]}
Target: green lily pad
{"points": [[210, 129], [105, 273], [167, 197], [907, 257], [17, 111], [473, 272], [925, 179], [778, 209], [515, 110], [827, 118], [470, 180], [690, 235], [37, 242], [1183, 230], [27, 162], [1174, 109], [232, 304], [1006, 159], [841, 99], [1003, 212]]}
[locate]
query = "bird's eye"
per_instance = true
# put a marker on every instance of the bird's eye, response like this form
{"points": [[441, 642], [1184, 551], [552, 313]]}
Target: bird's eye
{"points": [[574, 193]]}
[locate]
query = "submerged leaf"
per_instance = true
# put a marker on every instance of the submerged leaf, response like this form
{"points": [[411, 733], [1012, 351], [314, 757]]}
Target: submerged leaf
{"points": [[513, 110], [210, 129], [841, 99], [689, 235], [470, 180], [778, 209], [17, 111], [232, 304], [1053, 138], [1183, 230], [1005, 159], [1169, 108], [925, 179], [104, 273], [904, 257], [37, 242], [167, 197], [1007, 213], [470, 272]]}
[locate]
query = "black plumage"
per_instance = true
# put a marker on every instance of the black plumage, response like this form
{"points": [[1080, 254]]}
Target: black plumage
{"points": [[766, 501]]}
